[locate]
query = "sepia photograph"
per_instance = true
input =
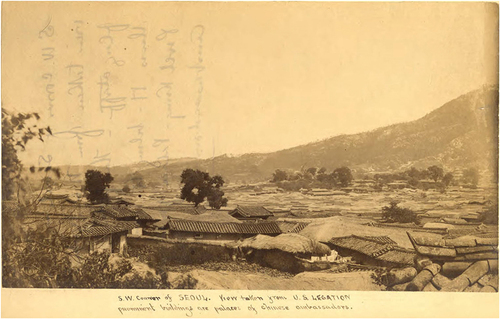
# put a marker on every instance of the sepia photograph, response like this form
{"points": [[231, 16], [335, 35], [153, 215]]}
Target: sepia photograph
{"points": [[338, 147]]}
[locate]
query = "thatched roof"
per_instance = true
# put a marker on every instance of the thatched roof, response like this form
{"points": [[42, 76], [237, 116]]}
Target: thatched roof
{"points": [[292, 243]]}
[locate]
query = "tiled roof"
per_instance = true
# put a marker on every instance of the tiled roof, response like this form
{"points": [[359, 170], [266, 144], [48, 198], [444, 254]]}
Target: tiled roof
{"points": [[142, 215], [291, 227], [66, 209], [368, 246], [379, 247], [95, 227], [398, 255], [468, 247], [74, 226], [223, 228], [251, 211], [119, 212], [187, 209]]}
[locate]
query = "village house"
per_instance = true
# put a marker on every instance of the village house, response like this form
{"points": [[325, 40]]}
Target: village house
{"points": [[202, 230], [455, 262], [125, 213], [251, 213], [100, 235], [291, 227], [180, 208], [373, 250], [287, 252], [89, 234]]}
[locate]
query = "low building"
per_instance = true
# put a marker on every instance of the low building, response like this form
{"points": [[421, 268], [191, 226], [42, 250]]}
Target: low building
{"points": [[201, 230], [89, 234], [373, 250], [180, 208], [286, 252], [291, 227], [97, 235], [125, 213], [250, 213], [472, 247]]}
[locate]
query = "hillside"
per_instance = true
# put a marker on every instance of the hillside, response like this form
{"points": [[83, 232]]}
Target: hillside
{"points": [[461, 133]]}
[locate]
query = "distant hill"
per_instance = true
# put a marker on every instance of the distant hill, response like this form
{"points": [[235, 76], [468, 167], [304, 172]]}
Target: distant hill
{"points": [[461, 133]]}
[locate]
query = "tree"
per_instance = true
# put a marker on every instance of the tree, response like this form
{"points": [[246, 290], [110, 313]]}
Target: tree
{"points": [[126, 189], [447, 179], [95, 186], [295, 176], [216, 199], [312, 171], [16, 133], [322, 170], [198, 185], [138, 180], [279, 176], [342, 176], [435, 172], [394, 213], [471, 176], [414, 173]]}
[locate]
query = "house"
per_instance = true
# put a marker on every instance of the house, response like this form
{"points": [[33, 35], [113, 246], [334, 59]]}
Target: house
{"points": [[449, 263], [251, 213], [286, 252], [89, 234], [180, 208], [98, 235], [373, 250], [51, 210], [201, 230], [125, 213], [291, 227], [121, 201], [475, 246]]}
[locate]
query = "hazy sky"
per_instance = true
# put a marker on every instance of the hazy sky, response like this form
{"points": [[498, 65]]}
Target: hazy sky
{"points": [[166, 80]]}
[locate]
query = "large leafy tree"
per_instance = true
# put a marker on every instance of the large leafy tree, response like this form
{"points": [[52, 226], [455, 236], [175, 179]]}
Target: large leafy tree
{"points": [[435, 172], [342, 176], [17, 131], [95, 186], [279, 175], [198, 185], [394, 213]]}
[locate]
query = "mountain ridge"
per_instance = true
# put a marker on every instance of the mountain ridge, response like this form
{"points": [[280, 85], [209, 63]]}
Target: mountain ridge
{"points": [[461, 133]]}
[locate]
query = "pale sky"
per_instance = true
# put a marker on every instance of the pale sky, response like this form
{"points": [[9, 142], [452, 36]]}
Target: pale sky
{"points": [[271, 76]]}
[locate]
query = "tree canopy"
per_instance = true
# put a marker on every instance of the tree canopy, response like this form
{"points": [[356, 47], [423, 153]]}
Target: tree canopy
{"points": [[95, 186], [17, 131], [394, 213], [198, 185], [343, 176], [435, 172]]}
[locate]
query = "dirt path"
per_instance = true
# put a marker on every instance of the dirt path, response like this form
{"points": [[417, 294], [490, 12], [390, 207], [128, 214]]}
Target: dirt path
{"points": [[303, 281]]}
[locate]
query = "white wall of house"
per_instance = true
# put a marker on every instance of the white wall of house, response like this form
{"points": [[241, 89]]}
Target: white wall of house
{"points": [[137, 231], [123, 244]]}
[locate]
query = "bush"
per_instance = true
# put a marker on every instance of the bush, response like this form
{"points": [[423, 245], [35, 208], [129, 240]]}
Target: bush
{"points": [[394, 213], [180, 254]]}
